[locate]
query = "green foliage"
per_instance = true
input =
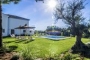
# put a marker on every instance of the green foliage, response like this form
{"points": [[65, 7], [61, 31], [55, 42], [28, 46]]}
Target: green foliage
{"points": [[71, 35], [67, 56], [84, 35], [3, 49], [6, 48], [88, 44], [62, 34], [9, 1], [26, 53], [12, 47], [70, 11], [50, 28]]}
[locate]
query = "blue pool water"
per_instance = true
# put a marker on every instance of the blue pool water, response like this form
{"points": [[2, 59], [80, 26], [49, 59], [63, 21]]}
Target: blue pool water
{"points": [[53, 37]]}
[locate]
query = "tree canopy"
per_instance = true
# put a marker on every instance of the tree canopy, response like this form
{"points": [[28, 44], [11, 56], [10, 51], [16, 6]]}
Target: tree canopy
{"points": [[9, 1], [70, 12]]}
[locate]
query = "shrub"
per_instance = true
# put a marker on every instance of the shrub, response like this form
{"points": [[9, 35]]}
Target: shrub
{"points": [[88, 44], [51, 55], [12, 47], [67, 56], [3, 49], [26, 53]]}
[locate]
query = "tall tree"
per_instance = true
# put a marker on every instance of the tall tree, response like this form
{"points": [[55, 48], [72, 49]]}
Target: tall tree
{"points": [[70, 13], [4, 2]]}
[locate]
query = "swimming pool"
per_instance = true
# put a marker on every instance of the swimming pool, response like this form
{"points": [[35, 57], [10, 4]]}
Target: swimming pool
{"points": [[54, 37]]}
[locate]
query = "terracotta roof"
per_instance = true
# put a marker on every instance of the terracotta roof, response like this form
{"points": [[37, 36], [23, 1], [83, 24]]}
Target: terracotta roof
{"points": [[18, 17]]}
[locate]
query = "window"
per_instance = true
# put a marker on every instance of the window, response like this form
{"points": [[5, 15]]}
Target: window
{"points": [[12, 31], [24, 31], [3, 30], [30, 31]]}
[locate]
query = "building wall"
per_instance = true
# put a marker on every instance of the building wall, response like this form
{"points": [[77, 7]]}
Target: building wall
{"points": [[9, 23], [4, 24], [13, 23], [32, 31]]}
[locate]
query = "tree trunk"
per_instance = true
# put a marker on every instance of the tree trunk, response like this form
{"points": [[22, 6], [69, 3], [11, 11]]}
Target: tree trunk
{"points": [[0, 24], [73, 32], [79, 46], [73, 28]]}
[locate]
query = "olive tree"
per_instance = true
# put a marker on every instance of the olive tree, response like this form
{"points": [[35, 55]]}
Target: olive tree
{"points": [[71, 13]]}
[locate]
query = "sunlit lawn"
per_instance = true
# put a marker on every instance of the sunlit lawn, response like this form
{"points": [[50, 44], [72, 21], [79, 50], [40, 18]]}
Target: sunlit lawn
{"points": [[42, 47]]}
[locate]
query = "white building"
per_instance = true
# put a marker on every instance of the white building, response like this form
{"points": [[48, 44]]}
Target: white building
{"points": [[10, 22]]}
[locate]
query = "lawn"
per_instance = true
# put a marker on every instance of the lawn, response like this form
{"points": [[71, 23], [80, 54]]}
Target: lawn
{"points": [[42, 47]]}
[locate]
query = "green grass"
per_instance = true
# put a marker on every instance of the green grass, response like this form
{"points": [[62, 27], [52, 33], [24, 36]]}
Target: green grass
{"points": [[42, 47]]}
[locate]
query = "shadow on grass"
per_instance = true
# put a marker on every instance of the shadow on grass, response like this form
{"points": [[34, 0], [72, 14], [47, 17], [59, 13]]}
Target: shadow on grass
{"points": [[8, 41], [86, 53], [57, 40], [13, 47], [28, 41], [19, 41]]}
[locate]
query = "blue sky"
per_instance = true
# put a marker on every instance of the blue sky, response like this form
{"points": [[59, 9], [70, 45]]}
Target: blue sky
{"points": [[39, 13]]}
